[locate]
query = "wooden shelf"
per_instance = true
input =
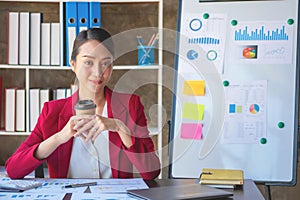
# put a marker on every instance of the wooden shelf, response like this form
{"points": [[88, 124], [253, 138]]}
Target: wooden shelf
{"points": [[153, 131], [30, 76], [115, 67]]}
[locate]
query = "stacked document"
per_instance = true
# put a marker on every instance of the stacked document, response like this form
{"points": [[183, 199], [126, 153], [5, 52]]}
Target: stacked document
{"points": [[222, 178], [7, 185]]}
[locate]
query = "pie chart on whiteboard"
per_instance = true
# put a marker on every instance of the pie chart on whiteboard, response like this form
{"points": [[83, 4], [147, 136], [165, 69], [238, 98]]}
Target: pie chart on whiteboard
{"points": [[254, 108]]}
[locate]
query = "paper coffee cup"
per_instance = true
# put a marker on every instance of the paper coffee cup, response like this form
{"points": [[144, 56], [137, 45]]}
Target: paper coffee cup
{"points": [[85, 107]]}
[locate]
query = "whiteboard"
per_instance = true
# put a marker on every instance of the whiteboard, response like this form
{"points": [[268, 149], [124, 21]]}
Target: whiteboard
{"points": [[235, 100]]}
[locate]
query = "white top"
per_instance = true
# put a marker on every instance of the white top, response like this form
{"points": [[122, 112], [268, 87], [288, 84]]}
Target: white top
{"points": [[91, 160]]}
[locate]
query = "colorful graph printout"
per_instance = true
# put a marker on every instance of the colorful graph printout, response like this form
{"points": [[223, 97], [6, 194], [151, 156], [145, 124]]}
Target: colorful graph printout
{"points": [[245, 119], [254, 108], [206, 33], [262, 42]]}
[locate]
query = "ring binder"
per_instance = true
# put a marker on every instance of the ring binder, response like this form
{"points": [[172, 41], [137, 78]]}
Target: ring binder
{"points": [[95, 14], [70, 28], [82, 16]]}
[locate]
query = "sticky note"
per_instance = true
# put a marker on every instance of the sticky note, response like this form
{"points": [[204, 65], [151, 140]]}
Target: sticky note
{"points": [[231, 108], [191, 131], [194, 87], [193, 111]]}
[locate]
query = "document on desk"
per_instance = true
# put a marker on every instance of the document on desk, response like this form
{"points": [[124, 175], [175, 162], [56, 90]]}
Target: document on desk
{"points": [[103, 185], [118, 185], [56, 189], [30, 196], [91, 196]]}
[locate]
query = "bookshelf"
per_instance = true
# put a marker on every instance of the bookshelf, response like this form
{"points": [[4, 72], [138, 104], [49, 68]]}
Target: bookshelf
{"points": [[29, 76]]}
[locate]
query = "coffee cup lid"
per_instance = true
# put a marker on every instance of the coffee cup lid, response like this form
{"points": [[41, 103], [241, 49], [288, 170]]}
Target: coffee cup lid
{"points": [[84, 105]]}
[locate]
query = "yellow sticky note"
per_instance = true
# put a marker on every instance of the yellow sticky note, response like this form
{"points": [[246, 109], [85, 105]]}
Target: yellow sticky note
{"points": [[194, 87], [193, 111]]}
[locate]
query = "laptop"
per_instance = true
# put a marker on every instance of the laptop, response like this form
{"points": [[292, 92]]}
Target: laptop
{"points": [[189, 191]]}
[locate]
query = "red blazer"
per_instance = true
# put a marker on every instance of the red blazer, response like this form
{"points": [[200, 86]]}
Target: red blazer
{"points": [[54, 117]]}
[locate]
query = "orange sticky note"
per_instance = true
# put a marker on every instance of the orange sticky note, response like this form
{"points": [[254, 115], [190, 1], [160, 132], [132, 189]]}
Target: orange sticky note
{"points": [[194, 87], [191, 131]]}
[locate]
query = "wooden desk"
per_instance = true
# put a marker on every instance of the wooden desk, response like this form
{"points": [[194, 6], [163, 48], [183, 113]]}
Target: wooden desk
{"points": [[248, 192]]}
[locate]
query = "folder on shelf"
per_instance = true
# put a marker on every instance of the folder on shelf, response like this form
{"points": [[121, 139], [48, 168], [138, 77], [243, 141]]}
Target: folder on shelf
{"points": [[45, 95], [55, 44], [1, 101], [68, 92], [95, 14], [20, 109], [24, 31], [222, 177], [70, 28], [35, 38], [13, 38], [74, 88], [82, 16], [60, 93], [45, 44], [10, 109], [34, 107]]}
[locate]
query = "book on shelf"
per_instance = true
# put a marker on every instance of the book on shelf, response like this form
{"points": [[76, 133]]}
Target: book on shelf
{"points": [[82, 16], [55, 44], [34, 107], [222, 178], [60, 93], [1, 102], [73, 88], [10, 109], [24, 31], [32, 42], [13, 38], [70, 27], [68, 92], [45, 95], [45, 43], [79, 16], [20, 109], [95, 14], [35, 38]]}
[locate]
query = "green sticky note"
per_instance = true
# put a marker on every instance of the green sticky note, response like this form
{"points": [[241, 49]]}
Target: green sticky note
{"points": [[193, 111]]}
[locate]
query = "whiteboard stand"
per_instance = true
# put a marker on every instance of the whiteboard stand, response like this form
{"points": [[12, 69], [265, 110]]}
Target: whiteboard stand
{"points": [[268, 192], [240, 101]]}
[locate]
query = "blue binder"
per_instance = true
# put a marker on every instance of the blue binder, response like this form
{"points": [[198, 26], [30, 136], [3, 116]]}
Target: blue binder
{"points": [[70, 28], [95, 14], [83, 15]]}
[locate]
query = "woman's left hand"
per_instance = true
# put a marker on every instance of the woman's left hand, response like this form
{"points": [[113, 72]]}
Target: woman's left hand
{"points": [[90, 126]]}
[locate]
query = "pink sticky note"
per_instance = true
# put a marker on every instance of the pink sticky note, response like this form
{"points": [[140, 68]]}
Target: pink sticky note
{"points": [[191, 131]]}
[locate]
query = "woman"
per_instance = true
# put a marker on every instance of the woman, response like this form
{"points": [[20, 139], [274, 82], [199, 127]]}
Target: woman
{"points": [[105, 145]]}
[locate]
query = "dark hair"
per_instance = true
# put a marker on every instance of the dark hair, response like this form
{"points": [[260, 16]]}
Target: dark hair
{"points": [[99, 34]]}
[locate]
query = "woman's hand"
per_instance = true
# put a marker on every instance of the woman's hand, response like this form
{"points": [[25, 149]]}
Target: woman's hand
{"points": [[67, 132], [49, 145], [88, 127]]}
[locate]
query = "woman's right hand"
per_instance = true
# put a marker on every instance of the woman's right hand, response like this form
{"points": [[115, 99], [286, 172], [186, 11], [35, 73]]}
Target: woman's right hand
{"points": [[67, 132], [49, 145]]}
